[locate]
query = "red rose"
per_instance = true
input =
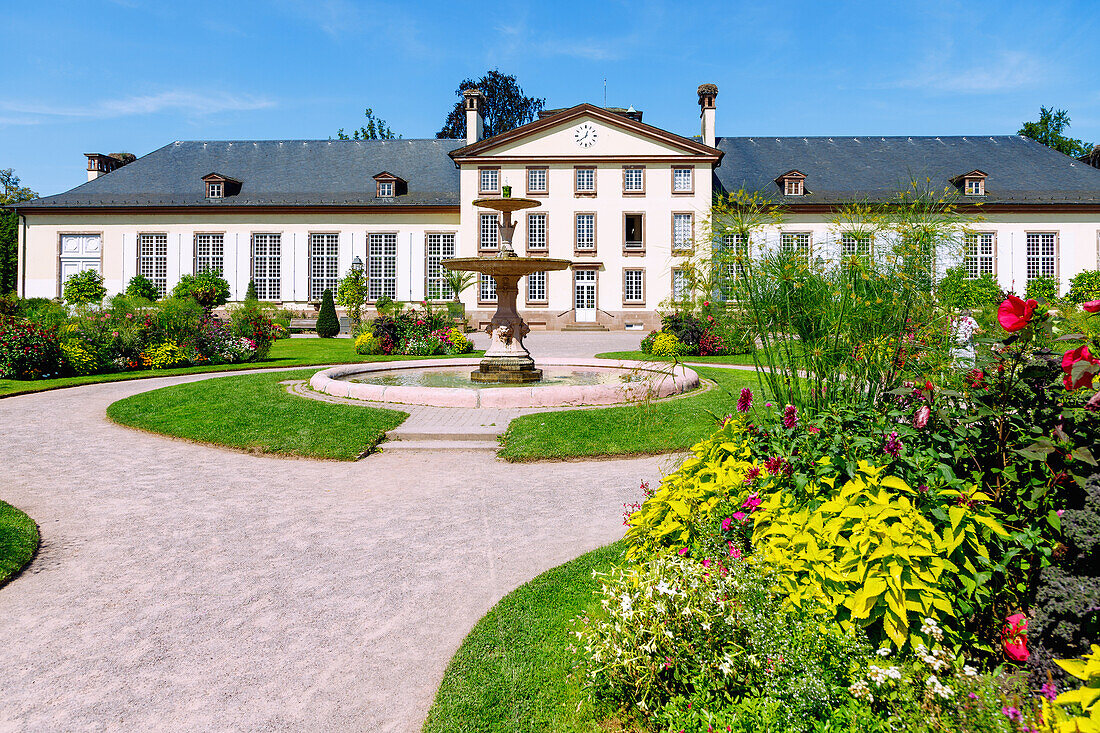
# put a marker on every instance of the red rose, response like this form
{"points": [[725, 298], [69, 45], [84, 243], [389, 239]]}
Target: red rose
{"points": [[1070, 358], [1093, 306], [1015, 314]]}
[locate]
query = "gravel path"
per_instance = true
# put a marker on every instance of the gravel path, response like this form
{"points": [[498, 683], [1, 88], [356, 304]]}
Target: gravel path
{"points": [[182, 587]]}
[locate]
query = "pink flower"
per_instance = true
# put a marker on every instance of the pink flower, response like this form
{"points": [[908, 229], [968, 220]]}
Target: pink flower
{"points": [[1015, 314], [920, 420], [735, 552], [1092, 306], [790, 416], [1069, 359], [682, 551], [751, 503], [726, 524], [706, 562], [1015, 638], [812, 429], [739, 516], [744, 402]]}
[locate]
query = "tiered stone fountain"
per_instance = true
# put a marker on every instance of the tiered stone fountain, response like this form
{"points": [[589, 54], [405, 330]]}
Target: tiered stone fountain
{"points": [[507, 359]]}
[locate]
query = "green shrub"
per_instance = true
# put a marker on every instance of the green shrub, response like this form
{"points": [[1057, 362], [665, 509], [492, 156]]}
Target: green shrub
{"points": [[667, 345], [163, 356], [79, 358], [85, 288], [351, 293], [28, 351], [208, 288], [646, 346], [142, 287], [44, 312], [1084, 286], [1042, 288], [251, 320], [957, 291], [328, 325], [250, 292]]}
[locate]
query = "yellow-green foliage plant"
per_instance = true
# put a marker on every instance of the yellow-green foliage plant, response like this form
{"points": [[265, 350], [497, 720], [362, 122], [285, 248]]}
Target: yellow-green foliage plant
{"points": [[869, 554], [367, 344], [666, 344], [1086, 698], [80, 360], [681, 506], [459, 341], [163, 356]]}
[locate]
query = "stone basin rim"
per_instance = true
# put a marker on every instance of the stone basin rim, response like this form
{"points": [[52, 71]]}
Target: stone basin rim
{"points": [[677, 380]]}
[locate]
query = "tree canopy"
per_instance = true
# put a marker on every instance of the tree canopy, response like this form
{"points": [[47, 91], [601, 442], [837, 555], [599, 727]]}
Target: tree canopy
{"points": [[1048, 131], [10, 193], [505, 106], [375, 129]]}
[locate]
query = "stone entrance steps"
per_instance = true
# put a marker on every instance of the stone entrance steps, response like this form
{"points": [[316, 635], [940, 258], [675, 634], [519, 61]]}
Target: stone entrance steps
{"points": [[583, 327], [484, 439]]}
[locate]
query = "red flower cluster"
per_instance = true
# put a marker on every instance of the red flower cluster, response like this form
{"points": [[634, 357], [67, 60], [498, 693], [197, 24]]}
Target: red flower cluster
{"points": [[1084, 378], [1015, 314]]}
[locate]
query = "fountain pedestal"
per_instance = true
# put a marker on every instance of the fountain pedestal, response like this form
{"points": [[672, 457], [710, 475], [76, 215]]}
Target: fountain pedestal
{"points": [[506, 360]]}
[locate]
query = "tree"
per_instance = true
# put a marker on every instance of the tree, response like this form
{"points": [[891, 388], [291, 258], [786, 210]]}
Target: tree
{"points": [[250, 293], [208, 288], [142, 287], [328, 325], [1048, 131], [505, 107], [84, 288], [375, 129], [458, 281], [352, 293], [10, 193]]}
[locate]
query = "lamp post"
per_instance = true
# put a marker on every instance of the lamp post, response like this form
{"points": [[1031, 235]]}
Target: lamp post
{"points": [[357, 264]]}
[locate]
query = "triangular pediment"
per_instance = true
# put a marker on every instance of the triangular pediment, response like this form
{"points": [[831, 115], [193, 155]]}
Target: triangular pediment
{"points": [[586, 131]]}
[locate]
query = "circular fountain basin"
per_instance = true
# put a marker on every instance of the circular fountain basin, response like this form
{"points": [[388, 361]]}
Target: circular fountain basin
{"points": [[447, 383]]}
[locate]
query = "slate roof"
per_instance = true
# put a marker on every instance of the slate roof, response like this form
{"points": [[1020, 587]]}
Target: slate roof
{"points": [[275, 173], [1021, 171]]}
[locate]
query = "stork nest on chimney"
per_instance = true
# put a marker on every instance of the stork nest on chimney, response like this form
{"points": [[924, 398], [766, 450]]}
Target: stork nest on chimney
{"points": [[708, 89]]}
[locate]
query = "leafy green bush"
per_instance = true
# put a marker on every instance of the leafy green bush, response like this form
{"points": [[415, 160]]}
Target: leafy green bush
{"points": [[646, 346], [351, 293], [163, 356], [79, 358], [328, 325], [1079, 710], [958, 292], [667, 345], [1084, 286], [252, 321], [208, 288], [250, 291], [142, 287], [686, 327], [1043, 288], [28, 351], [84, 288], [367, 344]]}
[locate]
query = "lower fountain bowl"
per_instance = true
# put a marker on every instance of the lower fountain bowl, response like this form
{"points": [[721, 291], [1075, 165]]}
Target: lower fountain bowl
{"points": [[565, 382]]}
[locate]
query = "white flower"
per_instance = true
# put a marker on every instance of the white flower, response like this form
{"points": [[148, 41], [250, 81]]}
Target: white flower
{"points": [[884, 651], [664, 589], [969, 671], [893, 673]]}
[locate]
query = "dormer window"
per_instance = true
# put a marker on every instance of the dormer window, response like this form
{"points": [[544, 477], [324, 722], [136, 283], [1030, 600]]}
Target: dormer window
{"points": [[972, 183], [215, 190], [387, 185], [219, 186], [792, 183]]}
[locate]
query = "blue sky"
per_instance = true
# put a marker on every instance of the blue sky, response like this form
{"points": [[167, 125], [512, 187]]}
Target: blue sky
{"points": [[133, 75]]}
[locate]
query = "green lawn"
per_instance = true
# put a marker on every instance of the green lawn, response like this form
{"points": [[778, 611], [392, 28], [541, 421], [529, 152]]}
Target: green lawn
{"points": [[657, 427], [512, 671], [284, 353], [18, 541], [254, 412], [740, 359]]}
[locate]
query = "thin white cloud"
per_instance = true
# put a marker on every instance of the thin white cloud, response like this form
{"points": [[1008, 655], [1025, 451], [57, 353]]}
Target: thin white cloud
{"points": [[188, 102], [516, 37], [1006, 71]]}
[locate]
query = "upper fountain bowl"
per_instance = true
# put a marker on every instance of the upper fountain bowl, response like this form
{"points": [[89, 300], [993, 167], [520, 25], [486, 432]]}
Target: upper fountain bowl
{"points": [[507, 204]]}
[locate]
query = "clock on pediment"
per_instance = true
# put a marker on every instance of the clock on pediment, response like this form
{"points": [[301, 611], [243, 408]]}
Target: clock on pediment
{"points": [[585, 134]]}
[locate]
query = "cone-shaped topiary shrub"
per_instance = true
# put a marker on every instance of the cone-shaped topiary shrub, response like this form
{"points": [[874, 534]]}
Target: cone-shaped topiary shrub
{"points": [[250, 293], [328, 325]]}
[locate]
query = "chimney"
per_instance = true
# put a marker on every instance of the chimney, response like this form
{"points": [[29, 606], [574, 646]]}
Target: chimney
{"points": [[100, 165], [707, 93], [475, 123]]}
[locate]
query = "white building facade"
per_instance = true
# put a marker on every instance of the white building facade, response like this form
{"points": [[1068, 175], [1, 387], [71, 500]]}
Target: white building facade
{"points": [[625, 201]]}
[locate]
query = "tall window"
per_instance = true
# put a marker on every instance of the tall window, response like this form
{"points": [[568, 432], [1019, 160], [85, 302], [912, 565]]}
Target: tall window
{"points": [[634, 232], [856, 244], [536, 287], [633, 286], [796, 242], [538, 180], [735, 244], [586, 232], [586, 180], [679, 284], [487, 289], [489, 180], [266, 261], [382, 266], [682, 234], [488, 232], [683, 180], [438, 247], [536, 231], [633, 179], [730, 247], [153, 259], [978, 259], [210, 252], [1042, 254], [324, 266]]}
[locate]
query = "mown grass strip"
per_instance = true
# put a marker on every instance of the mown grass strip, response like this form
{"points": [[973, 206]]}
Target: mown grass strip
{"points": [[737, 359], [253, 412], [512, 671], [18, 541]]}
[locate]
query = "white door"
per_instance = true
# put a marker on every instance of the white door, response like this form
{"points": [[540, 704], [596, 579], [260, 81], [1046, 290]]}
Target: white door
{"points": [[584, 295], [79, 252]]}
